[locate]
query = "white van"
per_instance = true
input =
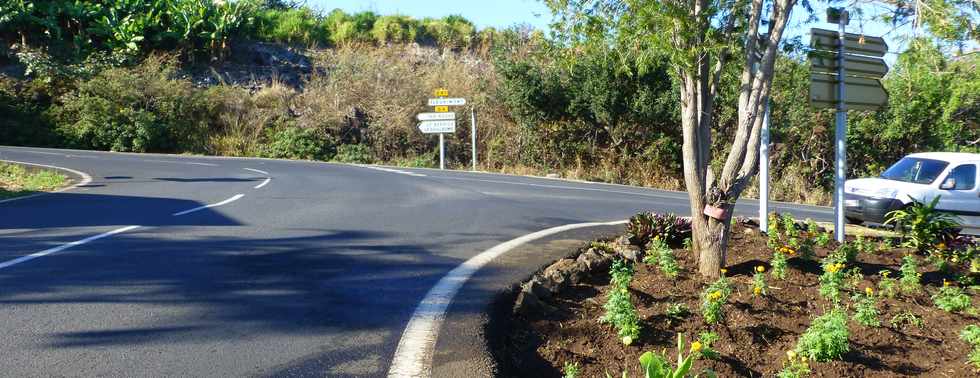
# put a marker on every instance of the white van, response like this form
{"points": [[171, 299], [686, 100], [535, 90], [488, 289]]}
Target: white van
{"points": [[923, 176]]}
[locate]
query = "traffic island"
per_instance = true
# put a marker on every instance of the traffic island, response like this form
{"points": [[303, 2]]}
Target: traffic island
{"points": [[23, 180], [793, 302]]}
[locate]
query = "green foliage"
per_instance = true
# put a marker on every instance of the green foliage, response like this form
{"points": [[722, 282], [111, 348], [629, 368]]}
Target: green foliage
{"points": [[971, 335], [293, 142], [15, 180], [354, 154], [644, 227], [620, 311], [292, 26], [676, 312], [832, 279], [923, 227], [779, 265], [910, 281], [656, 366], [827, 337], [951, 299], [906, 318], [713, 299], [846, 252], [143, 109], [706, 339], [571, 370], [795, 367], [759, 286], [887, 286], [660, 254], [866, 309]]}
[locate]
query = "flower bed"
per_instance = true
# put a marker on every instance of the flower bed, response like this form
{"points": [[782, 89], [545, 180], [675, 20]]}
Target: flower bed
{"points": [[791, 304]]}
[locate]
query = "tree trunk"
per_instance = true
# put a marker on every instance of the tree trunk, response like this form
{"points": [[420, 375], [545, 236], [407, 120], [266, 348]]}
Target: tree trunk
{"points": [[712, 240]]}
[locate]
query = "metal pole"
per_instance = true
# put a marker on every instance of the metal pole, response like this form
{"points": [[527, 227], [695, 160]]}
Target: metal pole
{"points": [[841, 134], [764, 172], [442, 151], [473, 135]]}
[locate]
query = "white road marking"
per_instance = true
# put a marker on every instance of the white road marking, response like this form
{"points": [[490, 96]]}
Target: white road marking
{"points": [[199, 208], [256, 170], [413, 357], [63, 247], [259, 186], [666, 196], [86, 179], [393, 171]]}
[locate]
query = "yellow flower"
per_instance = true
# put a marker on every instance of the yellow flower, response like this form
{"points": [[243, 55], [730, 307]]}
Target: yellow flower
{"points": [[955, 259], [869, 291], [945, 283], [885, 273], [791, 354], [715, 295], [757, 290], [941, 246], [723, 271], [760, 269], [696, 347]]}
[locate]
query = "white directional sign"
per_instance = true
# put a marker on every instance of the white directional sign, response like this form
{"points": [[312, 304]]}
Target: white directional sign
{"points": [[861, 94], [828, 40], [447, 101], [854, 65], [437, 116], [437, 127]]}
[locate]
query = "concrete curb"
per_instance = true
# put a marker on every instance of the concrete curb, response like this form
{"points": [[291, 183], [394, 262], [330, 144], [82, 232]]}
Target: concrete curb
{"points": [[83, 179]]}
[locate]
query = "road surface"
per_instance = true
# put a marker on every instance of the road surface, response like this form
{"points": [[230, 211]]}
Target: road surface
{"points": [[201, 266]]}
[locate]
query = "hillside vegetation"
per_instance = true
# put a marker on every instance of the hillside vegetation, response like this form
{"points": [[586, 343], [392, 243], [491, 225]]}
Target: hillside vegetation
{"points": [[121, 77]]}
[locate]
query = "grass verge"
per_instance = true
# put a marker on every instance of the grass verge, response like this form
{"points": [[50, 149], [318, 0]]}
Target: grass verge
{"points": [[16, 180]]}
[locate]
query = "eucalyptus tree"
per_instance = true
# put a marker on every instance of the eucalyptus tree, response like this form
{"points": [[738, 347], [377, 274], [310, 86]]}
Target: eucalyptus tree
{"points": [[704, 39]]}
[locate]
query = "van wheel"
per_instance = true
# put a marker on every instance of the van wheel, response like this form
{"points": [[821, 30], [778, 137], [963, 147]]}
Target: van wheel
{"points": [[850, 220]]}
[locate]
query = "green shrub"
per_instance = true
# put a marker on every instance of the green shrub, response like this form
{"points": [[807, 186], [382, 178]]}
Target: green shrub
{"points": [[620, 311], [971, 335], [779, 265], [354, 154], [866, 309], [661, 255], [906, 318], [140, 109], [952, 299], [832, 279], [713, 299], [923, 227], [827, 337], [293, 142], [910, 280], [676, 312], [293, 26], [759, 285], [888, 286]]}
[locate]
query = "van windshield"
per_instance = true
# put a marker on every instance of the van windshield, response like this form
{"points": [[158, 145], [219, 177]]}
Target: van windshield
{"points": [[915, 170]]}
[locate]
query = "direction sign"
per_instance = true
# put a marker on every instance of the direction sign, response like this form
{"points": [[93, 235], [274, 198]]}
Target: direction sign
{"points": [[447, 101], [437, 127], [436, 116], [854, 65], [441, 92], [859, 93], [829, 40], [441, 109]]}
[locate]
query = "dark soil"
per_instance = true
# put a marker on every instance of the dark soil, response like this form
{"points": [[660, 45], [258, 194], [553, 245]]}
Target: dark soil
{"points": [[757, 331]]}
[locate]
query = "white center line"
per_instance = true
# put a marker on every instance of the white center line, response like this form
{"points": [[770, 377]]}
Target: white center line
{"points": [[63, 247], [199, 208], [413, 356], [394, 171], [259, 186], [256, 170]]}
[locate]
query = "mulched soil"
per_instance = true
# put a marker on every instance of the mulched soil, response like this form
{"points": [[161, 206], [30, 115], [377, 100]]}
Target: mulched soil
{"points": [[757, 332]]}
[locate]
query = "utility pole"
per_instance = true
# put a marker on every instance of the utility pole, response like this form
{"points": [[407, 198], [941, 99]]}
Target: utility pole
{"points": [[841, 129], [473, 135], [442, 151], [764, 172]]}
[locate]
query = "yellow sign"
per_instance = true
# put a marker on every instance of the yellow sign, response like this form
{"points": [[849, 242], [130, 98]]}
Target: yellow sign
{"points": [[442, 92], [442, 109]]}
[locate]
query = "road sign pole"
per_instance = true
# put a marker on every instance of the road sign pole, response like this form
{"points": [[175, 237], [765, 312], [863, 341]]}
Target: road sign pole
{"points": [[764, 172], [841, 133], [442, 151], [473, 136]]}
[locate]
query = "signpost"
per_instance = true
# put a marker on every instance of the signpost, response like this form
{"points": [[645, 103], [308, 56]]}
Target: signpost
{"points": [[443, 121], [844, 73]]}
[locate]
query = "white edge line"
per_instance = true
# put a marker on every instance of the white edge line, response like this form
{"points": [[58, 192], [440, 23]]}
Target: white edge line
{"points": [[86, 179], [259, 186], [413, 356], [63, 247], [256, 170], [199, 208]]}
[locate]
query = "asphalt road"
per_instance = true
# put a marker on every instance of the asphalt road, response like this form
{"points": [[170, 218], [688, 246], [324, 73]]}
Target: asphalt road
{"points": [[310, 269]]}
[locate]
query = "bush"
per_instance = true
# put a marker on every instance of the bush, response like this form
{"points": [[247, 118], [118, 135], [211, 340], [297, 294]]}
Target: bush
{"points": [[139, 109], [827, 337], [293, 26], [354, 154], [293, 142]]}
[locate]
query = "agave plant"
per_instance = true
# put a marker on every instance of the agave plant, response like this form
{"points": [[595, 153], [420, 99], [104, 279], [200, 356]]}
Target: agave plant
{"points": [[643, 227], [922, 226]]}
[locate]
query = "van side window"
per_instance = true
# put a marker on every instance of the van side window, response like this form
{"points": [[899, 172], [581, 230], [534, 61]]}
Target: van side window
{"points": [[965, 175]]}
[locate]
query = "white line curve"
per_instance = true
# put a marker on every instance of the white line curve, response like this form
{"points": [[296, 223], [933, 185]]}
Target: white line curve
{"points": [[413, 357], [86, 179], [259, 186], [256, 170]]}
